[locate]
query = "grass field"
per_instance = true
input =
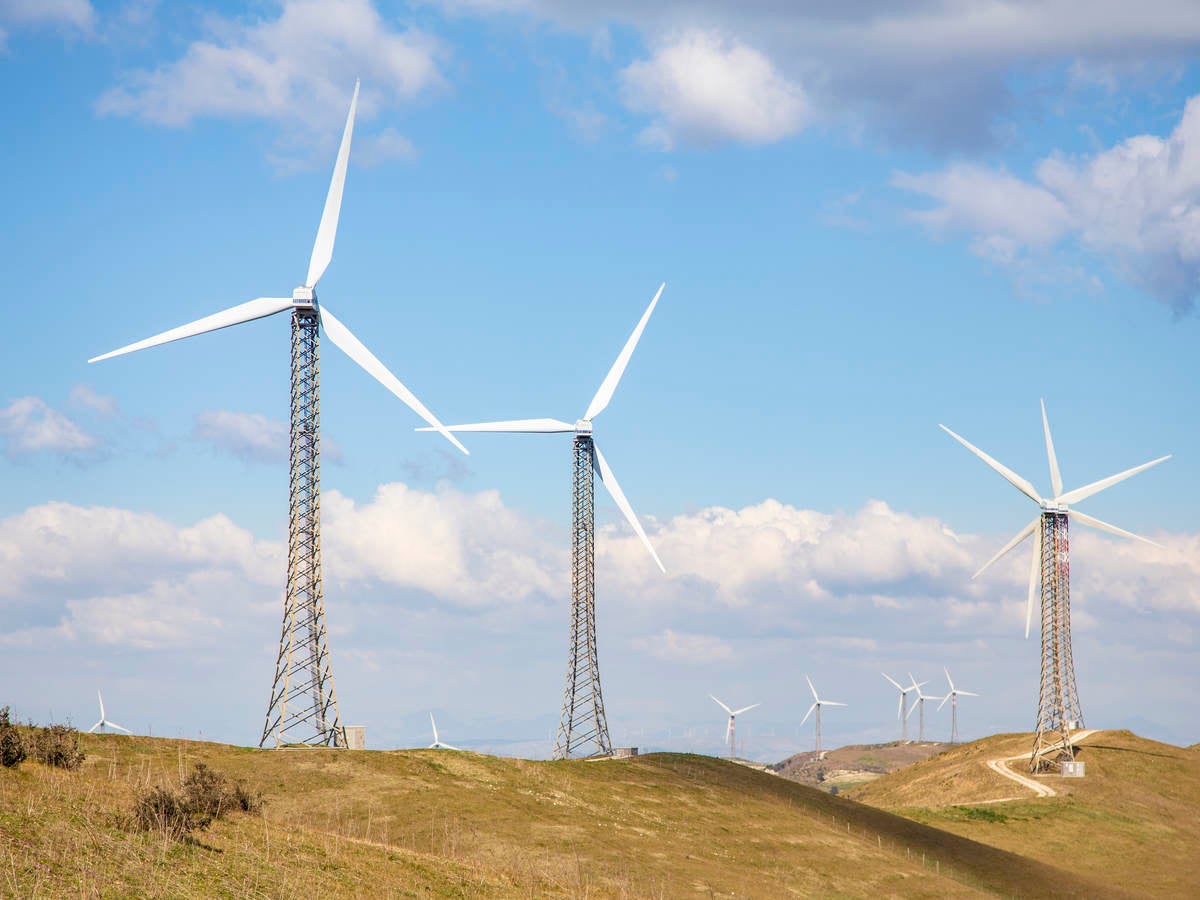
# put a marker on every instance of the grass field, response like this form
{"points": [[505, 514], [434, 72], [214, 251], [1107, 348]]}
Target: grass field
{"points": [[437, 823], [1134, 820]]}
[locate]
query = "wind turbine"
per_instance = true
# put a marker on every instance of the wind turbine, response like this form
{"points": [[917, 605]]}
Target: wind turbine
{"points": [[817, 704], [953, 698], [303, 706], [104, 723], [1058, 701], [921, 698], [583, 724], [733, 714], [902, 711], [437, 742]]}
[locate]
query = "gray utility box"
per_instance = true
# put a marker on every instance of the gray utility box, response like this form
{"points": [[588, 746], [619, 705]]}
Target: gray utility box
{"points": [[621, 752], [1072, 768], [356, 737]]}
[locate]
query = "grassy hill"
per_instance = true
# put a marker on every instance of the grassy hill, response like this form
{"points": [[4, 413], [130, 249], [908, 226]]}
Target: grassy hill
{"points": [[855, 764], [1134, 820], [436, 823]]}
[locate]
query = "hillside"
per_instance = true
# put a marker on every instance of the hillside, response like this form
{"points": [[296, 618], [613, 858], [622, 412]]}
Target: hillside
{"points": [[855, 764], [1133, 818], [370, 823]]}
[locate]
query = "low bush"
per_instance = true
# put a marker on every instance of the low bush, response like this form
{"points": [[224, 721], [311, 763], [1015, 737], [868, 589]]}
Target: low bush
{"points": [[12, 745], [204, 796], [58, 746]]}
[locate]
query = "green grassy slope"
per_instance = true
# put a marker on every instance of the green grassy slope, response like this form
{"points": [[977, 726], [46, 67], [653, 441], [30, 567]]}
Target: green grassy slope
{"points": [[435, 823], [1133, 821]]}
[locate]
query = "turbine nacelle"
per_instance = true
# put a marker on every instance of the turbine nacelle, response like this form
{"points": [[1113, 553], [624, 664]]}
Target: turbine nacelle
{"points": [[1053, 506], [304, 297], [583, 428]]}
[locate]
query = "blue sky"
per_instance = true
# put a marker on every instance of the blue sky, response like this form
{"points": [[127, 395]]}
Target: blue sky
{"points": [[868, 221]]}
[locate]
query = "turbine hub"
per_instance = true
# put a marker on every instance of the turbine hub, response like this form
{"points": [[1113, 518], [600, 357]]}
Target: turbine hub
{"points": [[583, 427], [304, 298]]}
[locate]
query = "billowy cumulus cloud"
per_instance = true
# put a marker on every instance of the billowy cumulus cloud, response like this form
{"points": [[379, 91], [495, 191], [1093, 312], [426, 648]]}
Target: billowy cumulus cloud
{"points": [[28, 425]]}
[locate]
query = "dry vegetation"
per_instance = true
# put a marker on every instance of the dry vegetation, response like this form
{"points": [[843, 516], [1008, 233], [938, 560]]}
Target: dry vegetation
{"points": [[340, 823], [1132, 821], [855, 764]]}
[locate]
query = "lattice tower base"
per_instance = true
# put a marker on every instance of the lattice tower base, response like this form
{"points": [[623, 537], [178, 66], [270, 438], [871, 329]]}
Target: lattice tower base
{"points": [[583, 728], [303, 707], [1058, 701]]}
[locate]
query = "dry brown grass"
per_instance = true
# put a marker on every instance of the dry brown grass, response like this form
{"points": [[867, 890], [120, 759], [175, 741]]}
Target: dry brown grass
{"points": [[1133, 821], [380, 824]]}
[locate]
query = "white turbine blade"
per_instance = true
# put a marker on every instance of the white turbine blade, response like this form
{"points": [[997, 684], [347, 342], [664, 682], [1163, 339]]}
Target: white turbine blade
{"points": [[722, 705], [943, 703], [1097, 486], [235, 315], [1092, 521], [434, 724], [101, 698], [1035, 571], [967, 694], [352, 347], [948, 678], [912, 709], [811, 688], [605, 392], [1020, 536], [807, 714], [1055, 477], [1009, 475], [915, 687], [514, 426], [892, 680], [610, 482], [322, 251], [738, 712], [118, 727], [900, 707], [831, 703], [92, 730]]}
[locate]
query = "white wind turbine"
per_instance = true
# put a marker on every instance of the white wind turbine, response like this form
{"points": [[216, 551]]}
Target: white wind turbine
{"points": [[921, 698], [438, 744], [953, 698], [817, 704], [583, 725], [733, 714], [902, 711], [303, 706], [1058, 703], [104, 723]]}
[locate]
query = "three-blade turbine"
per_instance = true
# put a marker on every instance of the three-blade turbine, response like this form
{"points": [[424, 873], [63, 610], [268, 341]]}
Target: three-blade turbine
{"points": [[104, 723]]}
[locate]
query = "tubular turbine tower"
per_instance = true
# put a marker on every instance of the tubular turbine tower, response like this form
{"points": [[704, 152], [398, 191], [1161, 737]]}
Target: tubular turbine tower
{"points": [[303, 706], [583, 726], [1059, 711]]}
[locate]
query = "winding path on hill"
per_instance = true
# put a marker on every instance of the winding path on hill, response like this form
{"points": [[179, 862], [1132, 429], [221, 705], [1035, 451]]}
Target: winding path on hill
{"points": [[1000, 767]]}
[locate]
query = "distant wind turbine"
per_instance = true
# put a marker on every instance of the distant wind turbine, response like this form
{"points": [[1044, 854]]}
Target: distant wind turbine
{"points": [[438, 744], [921, 698], [104, 723], [733, 714], [817, 704], [902, 711], [953, 698]]}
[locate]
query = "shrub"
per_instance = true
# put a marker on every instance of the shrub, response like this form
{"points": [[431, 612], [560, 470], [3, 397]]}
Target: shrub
{"points": [[58, 745], [162, 810], [205, 795], [12, 746]]}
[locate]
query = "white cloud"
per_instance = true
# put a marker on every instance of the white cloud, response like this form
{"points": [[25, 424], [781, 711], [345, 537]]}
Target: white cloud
{"points": [[379, 148], [702, 87], [252, 437], [28, 425], [1137, 203], [75, 14], [674, 646], [89, 398], [298, 69]]}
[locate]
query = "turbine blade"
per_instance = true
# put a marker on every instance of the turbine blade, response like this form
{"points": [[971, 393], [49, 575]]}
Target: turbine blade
{"points": [[831, 703], [1035, 581], [967, 694], [352, 347], [948, 678], [722, 705], [912, 709], [610, 481], [1055, 477], [892, 680], [118, 727], [1096, 487], [1092, 521], [738, 712], [609, 385], [101, 698], [92, 730], [807, 714], [434, 724], [322, 251], [943, 703], [235, 315], [811, 688], [900, 707], [516, 426], [1020, 536], [1009, 475]]}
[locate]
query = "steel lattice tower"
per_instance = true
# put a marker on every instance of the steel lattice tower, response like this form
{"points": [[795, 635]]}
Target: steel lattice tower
{"points": [[582, 727], [1058, 700], [303, 707]]}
